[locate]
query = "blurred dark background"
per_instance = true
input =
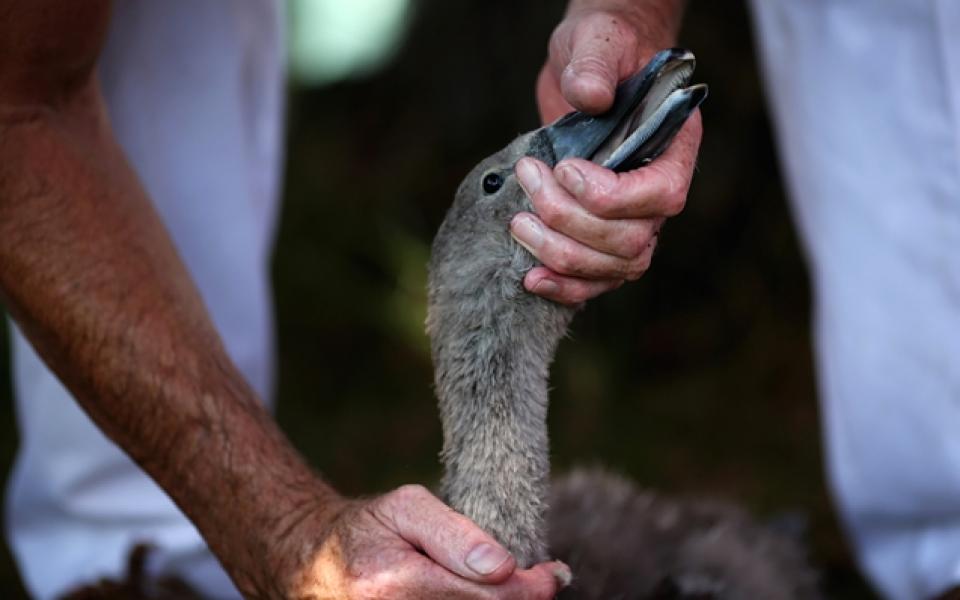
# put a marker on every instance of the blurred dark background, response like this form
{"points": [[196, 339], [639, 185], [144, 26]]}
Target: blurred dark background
{"points": [[697, 379]]}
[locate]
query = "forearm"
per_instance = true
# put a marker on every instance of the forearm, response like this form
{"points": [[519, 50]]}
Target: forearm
{"points": [[92, 279]]}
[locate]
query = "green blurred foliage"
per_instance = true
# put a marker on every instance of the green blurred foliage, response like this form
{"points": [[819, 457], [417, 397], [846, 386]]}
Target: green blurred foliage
{"points": [[697, 379]]}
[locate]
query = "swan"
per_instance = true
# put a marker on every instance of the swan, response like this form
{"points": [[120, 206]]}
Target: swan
{"points": [[492, 344]]}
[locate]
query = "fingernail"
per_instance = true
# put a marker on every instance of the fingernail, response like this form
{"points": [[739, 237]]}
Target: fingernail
{"points": [[528, 174], [546, 287], [563, 574], [571, 178], [527, 232], [486, 558]]}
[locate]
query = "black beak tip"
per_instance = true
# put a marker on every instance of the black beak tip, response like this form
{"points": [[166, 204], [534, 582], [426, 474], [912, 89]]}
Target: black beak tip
{"points": [[672, 56], [679, 54], [698, 93]]}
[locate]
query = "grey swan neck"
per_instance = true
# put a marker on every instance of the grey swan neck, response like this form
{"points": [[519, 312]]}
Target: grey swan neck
{"points": [[492, 348]]}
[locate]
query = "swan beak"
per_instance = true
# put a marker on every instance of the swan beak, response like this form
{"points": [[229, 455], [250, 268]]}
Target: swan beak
{"points": [[648, 110]]}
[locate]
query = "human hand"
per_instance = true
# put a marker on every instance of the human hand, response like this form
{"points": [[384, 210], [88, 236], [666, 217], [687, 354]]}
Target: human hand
{"points": [[408, 544], [593, 228]]}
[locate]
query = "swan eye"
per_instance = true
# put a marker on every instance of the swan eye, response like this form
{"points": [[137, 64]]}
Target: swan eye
{"points": [[492, 182]]}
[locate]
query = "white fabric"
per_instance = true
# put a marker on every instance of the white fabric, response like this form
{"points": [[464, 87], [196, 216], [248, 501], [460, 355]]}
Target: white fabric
{"points": [[866, 102], [194, 89]]}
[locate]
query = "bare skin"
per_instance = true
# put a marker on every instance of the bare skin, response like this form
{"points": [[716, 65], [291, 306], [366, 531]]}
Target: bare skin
{"points": [[593, 228], [92, 279]]}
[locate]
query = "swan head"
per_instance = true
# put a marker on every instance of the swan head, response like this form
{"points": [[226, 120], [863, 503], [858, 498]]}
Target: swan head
{"points": [[473, 251]]}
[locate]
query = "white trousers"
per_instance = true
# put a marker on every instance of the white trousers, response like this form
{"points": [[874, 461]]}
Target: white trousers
{"points": [[865, 96], [194, 91]]}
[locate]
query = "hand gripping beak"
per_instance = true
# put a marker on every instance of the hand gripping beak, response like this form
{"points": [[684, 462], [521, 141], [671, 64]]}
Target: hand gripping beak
{"points": [[648, 110]]}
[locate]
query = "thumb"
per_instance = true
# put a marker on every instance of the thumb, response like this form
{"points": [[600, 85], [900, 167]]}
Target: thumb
{"points": [[597, 47], [449, 538]]}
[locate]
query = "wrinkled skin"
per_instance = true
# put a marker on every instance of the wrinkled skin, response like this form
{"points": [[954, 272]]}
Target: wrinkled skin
{"points": [[93, 280], [130, 307], [595, 229], [408, 544]]}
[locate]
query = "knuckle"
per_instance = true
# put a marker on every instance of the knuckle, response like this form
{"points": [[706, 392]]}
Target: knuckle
{"points": [[595, 206], [552, 213], [563, 260], [596, 200], [586, 25], [607, 199], [411, 492], [671, 188], [635, 243], [638, 267], [674, 203]]}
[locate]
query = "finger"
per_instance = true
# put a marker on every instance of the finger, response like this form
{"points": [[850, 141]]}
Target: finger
{"points": [[559, 210], [566, 290], [415, 577], [567, 256], [540, 581], [656, 190], [427, 580], [446, 536]]}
